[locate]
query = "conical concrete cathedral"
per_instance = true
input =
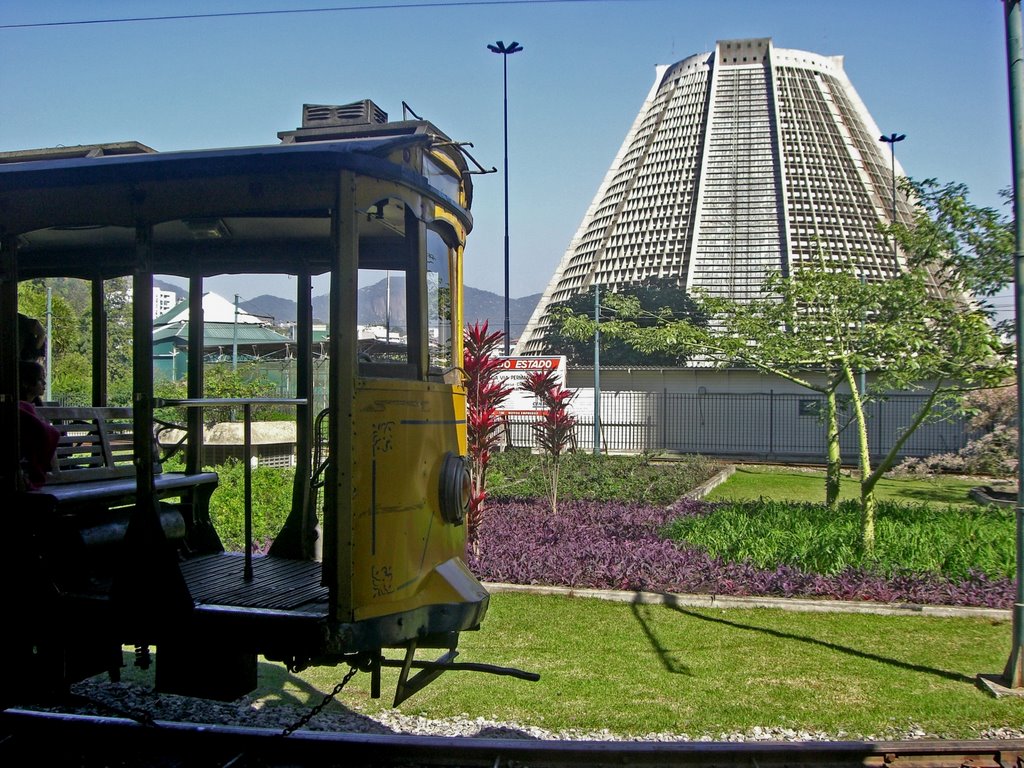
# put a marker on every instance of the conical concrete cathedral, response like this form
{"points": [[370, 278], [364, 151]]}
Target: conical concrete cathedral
{"points": [[742, 162]]}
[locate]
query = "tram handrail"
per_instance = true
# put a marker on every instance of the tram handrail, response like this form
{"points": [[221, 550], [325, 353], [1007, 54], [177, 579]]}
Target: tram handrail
{"points": [[195, 402], [246, 403]]}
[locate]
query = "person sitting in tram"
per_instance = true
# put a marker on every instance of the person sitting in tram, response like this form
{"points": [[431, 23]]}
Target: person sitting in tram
{"points": [[31, 338], [38, 436]]}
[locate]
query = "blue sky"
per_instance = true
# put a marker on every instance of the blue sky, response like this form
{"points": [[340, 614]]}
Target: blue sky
{"points": [[932, 69]]}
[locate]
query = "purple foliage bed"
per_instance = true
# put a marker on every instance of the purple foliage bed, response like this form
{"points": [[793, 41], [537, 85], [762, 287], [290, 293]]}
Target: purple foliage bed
{"points": [[616, 546]]}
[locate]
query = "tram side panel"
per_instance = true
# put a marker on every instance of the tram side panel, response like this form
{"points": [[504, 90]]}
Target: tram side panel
{"points": [[408, 570]]}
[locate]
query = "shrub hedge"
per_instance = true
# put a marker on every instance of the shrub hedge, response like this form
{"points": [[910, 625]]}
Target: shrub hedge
{"points": [[925, 554], [910, 538], [583, 476], [271, 502], [620, 546]]}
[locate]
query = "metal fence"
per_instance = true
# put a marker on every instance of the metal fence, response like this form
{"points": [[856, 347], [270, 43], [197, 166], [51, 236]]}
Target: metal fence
{"points": [[766, 426], [762, 426]]}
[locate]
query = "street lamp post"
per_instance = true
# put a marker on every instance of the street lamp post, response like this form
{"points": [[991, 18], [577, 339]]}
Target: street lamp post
{"points": [[892, 139], [504, 50]]}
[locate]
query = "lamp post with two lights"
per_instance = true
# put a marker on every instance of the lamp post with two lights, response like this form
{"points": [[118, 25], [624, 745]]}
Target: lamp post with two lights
{"points": [[505, 51]]}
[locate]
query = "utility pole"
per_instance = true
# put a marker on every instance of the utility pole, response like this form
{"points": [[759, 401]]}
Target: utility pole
{"points": [[49, 347], [234, 338]]}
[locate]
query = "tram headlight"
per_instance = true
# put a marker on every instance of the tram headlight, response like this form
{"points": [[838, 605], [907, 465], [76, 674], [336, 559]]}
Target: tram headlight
{"points": [[455, 488]]}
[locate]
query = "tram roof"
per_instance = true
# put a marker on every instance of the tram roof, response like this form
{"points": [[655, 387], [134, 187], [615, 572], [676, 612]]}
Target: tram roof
{"points": [[75, 205], [353, 154]]}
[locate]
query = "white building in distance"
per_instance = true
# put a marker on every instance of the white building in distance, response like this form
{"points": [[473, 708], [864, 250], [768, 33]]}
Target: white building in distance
{"points": [[743, 161], [163, 301]]}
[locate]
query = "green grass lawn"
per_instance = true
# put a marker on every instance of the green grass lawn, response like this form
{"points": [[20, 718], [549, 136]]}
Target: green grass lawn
{"points": [[706, 672], [799, 484], [709, 672], [639, 669]]}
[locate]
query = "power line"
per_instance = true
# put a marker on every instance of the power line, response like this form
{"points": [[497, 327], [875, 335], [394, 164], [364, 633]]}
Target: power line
{"points": [[282, 12]]}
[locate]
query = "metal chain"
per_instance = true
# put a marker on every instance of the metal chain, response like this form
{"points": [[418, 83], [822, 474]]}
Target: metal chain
{"points": [[139, 716], [328, 698]]}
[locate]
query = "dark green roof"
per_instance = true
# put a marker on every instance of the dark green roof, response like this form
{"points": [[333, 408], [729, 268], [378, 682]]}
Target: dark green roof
{"points": [[223, 334]]}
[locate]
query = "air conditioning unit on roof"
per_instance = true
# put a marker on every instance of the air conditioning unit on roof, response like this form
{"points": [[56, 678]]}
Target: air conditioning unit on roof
{"points": [[363, 112]]}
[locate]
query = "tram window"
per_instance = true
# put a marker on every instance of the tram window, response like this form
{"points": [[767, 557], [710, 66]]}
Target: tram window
{"points": [[381, 314], [441, 179], [439, 303], [381, 319]]}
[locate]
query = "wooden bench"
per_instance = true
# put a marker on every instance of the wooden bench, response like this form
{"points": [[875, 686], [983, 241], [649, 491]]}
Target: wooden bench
{"points": [[95, 460], [81, 514]]}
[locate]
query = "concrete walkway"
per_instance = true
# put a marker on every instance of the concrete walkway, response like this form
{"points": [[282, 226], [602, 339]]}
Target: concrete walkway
{"points": [[780, 603]]}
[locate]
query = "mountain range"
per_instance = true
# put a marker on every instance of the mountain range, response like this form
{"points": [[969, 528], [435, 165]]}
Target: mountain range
{"points": [[480, 306]]}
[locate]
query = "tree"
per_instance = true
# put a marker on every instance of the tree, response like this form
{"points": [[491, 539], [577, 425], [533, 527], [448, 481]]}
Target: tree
{"points": [[221, 381], [913, 339], [32, 302], [969, 248], [777, 350], [68, 366], [649, 303], [118, 307], [71, 340], [821, 327]]}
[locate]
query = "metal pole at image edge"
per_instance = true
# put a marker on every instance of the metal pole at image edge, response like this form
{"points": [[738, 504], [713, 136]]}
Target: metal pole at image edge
{"points": [[1013, 675], [597, 369]]}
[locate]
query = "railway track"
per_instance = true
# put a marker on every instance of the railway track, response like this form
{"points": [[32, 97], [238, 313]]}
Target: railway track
{"points": [[43, 738]]}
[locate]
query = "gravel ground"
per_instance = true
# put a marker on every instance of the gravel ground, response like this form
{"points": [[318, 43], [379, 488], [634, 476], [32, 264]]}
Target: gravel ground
{"points": [[99, 697]]}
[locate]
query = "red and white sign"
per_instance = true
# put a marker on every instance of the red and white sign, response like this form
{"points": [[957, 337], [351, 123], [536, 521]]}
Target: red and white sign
{"points": [[514, 372]]}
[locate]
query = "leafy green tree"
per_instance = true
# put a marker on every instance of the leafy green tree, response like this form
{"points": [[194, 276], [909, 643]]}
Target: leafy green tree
{"points": [[912, 339], [648, 304], [223, 381], [69, 377], [652, 335], [32, 302], [969, 248], [72, 378], [820, 327], [220, 381], [72, 336], [118, 307], [760, 334]]}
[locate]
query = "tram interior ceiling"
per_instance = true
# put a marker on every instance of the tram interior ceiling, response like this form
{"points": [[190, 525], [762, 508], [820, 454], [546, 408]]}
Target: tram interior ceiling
{"points": [[369, 567]]}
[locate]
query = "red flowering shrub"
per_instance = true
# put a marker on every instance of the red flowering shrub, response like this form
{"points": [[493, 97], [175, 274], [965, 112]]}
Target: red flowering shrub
{"points": [[484, 393], [554, 429]]}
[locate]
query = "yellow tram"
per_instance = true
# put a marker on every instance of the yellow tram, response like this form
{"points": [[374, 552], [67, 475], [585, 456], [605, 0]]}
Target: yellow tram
{"points": [[113, 549]]}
